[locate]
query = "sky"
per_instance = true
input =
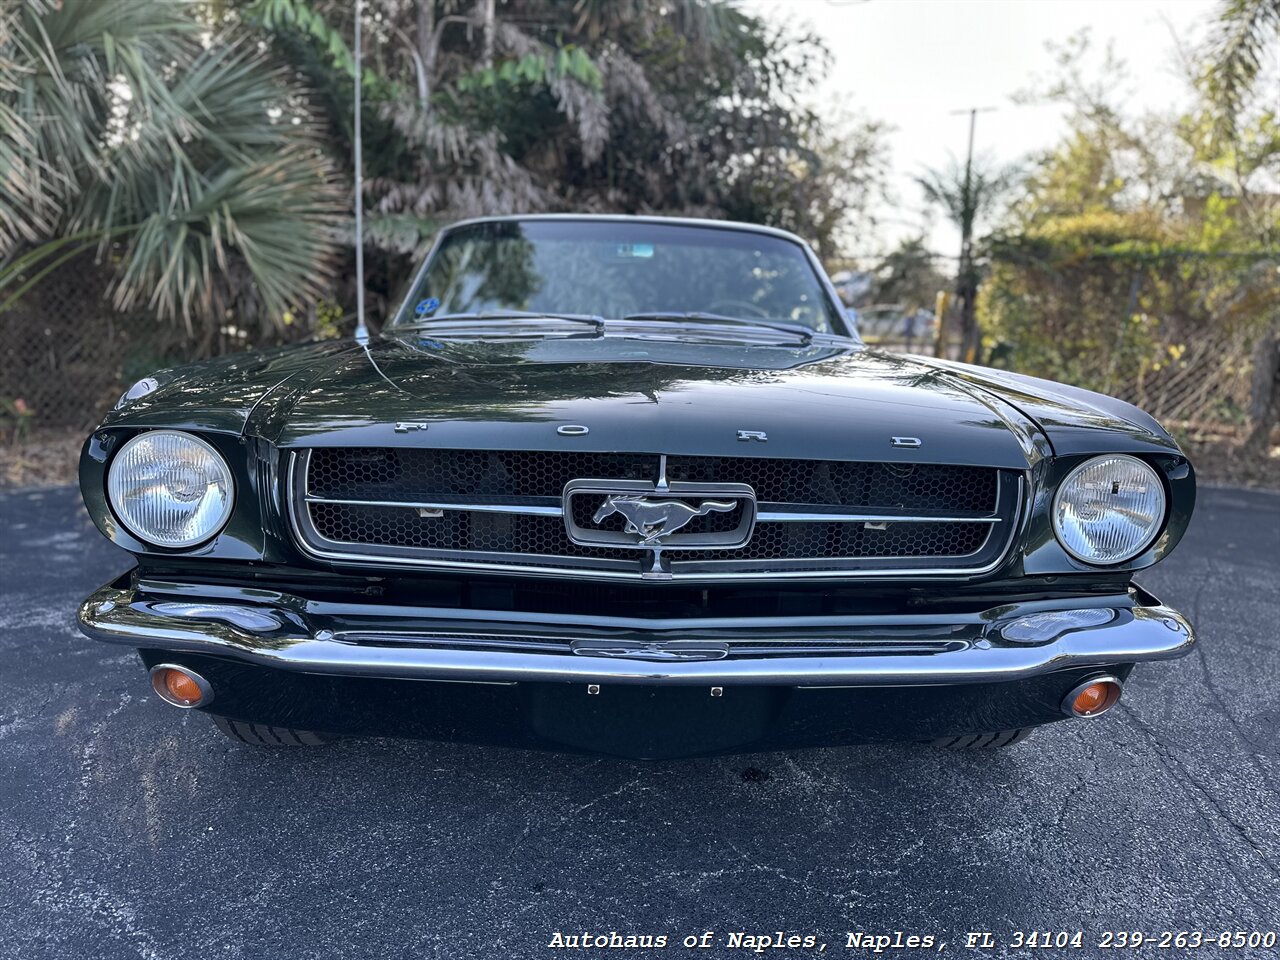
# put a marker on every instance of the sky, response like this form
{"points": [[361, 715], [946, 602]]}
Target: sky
{"points": [[913, 63]]}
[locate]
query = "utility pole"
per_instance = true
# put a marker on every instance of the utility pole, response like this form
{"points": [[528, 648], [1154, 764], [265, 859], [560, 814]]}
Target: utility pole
{"points": [[362, 329], [488, 26], [966, 279]]}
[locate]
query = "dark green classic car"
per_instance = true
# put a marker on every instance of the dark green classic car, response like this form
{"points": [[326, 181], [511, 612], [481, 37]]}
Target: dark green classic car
{"points": [[630, 485]]}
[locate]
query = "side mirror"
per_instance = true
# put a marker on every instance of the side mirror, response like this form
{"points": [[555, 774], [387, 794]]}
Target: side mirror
{"points": [[851, 314]]}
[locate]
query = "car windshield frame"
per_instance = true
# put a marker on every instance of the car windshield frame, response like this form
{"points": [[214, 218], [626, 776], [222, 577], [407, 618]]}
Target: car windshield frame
{"points": [[829, 306]]}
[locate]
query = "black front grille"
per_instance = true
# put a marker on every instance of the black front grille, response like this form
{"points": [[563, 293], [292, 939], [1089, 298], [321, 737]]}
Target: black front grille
{"points": [[502, 508]]}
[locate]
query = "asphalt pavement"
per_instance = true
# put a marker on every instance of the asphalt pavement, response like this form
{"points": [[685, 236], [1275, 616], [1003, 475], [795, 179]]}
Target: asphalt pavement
{"points": [[130, 829]]}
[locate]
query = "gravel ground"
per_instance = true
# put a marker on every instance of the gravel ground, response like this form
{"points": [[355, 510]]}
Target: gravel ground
{"points": [[129, 829]]}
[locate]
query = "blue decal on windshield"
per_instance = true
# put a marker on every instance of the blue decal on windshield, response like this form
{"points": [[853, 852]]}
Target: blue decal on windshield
{"points": [[426, 307], [634, 251]]}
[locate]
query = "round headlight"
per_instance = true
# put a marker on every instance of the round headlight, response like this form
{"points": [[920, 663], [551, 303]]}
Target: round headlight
{"points": [[1108, 509], [170, 489]]}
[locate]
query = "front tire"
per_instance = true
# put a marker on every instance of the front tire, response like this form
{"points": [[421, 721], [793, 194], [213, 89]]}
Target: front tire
{"points": [[261, 735], [997, 740]]}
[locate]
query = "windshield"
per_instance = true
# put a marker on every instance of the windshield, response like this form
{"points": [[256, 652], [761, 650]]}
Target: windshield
{"points": [[616, 269]]}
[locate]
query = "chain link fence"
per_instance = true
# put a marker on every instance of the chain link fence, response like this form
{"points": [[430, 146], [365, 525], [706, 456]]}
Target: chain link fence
{"points": [[66, 354]]}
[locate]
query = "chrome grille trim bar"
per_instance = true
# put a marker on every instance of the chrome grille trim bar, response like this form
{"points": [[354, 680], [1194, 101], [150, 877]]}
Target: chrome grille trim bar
{"points": [[764, 516], [522, 509], [798, 516]]}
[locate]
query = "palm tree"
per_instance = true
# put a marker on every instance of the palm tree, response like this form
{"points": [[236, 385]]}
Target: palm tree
{"points": [[966, 195], [190, 164]]}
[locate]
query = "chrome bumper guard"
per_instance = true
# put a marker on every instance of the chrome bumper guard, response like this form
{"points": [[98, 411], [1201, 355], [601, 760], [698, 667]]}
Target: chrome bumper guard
{"points": [[1010, 642]]}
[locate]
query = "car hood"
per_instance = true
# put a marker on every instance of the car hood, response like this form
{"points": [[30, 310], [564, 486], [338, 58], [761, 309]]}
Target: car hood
{"points": [[678, 396]]}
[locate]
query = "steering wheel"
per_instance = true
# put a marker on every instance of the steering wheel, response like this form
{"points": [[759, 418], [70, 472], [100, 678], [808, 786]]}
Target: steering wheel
{"points": [[734, 308]]}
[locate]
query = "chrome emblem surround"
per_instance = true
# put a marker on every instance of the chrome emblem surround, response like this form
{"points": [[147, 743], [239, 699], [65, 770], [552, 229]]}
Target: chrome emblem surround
{"points": [[654, 515]]}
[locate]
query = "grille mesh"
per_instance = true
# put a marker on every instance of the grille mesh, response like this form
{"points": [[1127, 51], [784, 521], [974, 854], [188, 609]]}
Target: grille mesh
{"points": [[456, 530], [909, 486], [538, 478], [377, 473]]}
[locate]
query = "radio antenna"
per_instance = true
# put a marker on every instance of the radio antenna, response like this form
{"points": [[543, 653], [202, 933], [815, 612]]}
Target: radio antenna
{"points": [[362, 330]]}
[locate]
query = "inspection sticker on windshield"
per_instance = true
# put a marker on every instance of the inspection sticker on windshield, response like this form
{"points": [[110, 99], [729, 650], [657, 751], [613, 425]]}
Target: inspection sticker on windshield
{"points": [[634, 251], [427, 306]]}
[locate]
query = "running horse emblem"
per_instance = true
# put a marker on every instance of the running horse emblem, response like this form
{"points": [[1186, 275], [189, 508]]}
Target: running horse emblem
{"points": [[652, 520]]}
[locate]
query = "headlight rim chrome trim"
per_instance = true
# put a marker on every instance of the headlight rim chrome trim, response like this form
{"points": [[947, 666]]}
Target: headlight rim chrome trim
{"points": [[185, 435], [1151, 538]]}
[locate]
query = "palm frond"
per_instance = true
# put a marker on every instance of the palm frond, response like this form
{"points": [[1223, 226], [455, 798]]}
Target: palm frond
{"points": [[63, 70], [1237, 50], [193, 160], [279, 219], [967, 198]]}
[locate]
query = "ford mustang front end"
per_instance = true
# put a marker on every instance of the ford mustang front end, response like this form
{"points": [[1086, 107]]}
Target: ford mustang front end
{"points": [[631, 486]]}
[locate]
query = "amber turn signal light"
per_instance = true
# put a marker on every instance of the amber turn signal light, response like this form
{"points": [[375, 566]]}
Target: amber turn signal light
{"points": [[1092, 698], [180, 686]]}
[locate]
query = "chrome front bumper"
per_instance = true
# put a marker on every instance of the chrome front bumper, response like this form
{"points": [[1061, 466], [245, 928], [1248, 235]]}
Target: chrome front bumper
{"points": [[288, 633]]}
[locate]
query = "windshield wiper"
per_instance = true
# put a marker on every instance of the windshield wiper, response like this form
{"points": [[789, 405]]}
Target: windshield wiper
{"points": [[597, 322], [805, 333]]}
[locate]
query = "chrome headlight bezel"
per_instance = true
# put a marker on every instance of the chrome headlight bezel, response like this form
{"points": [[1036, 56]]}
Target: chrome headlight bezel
{"points": [[128, 519], [1139, 546]]}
